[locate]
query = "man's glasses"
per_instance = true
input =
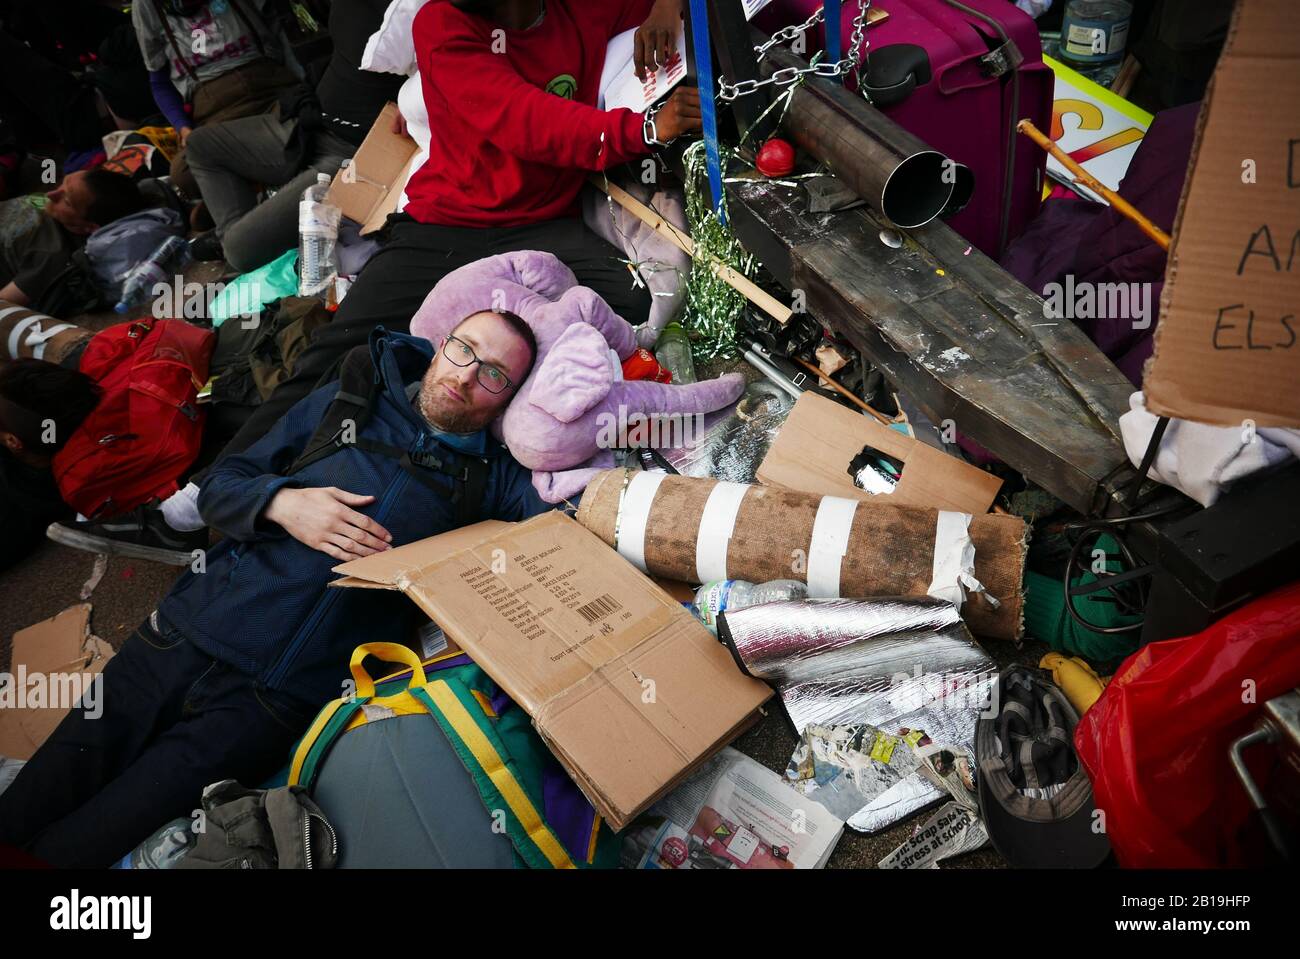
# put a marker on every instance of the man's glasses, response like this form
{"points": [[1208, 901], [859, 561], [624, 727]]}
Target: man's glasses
{"points": [[489, 377]]}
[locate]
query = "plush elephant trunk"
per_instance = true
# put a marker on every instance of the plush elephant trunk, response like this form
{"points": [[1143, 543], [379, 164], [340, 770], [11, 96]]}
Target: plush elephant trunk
{"points": [[662, 399]]}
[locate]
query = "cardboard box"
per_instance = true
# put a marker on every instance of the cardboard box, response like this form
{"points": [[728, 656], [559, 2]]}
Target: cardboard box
{"points": [[368, 188], [61, 657], [819, 439], [1228, 346], [628, 690]]}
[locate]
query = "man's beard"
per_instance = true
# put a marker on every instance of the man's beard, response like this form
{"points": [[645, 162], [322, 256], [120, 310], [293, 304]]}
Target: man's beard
{"points": [[446, 414]]}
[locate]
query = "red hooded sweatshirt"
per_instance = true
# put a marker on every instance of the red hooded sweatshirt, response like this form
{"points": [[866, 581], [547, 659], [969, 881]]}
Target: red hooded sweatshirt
{"points": [[513, 122]]}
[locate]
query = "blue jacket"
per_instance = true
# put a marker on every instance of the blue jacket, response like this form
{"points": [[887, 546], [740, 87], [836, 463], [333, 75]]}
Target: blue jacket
{"points": [[262, 604]]}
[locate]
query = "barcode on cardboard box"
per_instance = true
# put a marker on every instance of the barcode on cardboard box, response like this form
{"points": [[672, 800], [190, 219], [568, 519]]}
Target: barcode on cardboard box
{"points": [[599, 607]]}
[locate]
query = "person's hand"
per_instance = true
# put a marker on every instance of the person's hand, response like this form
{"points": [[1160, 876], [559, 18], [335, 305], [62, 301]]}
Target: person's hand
{"points": [[399, 124], [323, 518], [184, 134], [680, 114], [655, 41]]}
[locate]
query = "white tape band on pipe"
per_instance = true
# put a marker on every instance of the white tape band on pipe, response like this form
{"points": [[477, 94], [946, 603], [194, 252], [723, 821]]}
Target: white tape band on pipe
{"points": [[716, 526], [638, 496], [953, 571], [830, 541]]}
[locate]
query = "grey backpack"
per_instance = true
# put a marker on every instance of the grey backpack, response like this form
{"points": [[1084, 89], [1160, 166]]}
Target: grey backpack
{"points": [[115, 250]]}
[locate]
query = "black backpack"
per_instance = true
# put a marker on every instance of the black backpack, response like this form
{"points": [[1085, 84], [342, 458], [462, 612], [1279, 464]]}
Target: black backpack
{"points": [[359, 386]]}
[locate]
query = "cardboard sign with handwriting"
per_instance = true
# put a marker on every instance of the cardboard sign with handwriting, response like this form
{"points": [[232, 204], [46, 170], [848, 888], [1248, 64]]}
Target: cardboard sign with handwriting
{"points": [[1227, 350]]}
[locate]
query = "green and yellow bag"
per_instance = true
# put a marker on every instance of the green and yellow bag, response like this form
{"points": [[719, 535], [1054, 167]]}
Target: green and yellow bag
{"points": [[474, 788]]}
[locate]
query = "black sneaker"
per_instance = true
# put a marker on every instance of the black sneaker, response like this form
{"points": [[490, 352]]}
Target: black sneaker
{"points": [[139, 534], [206, 247]]}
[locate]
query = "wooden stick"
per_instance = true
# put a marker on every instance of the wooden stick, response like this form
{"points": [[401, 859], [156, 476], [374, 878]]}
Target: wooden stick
{"points": [[843, 392], [1092, 183], [742, 284]]}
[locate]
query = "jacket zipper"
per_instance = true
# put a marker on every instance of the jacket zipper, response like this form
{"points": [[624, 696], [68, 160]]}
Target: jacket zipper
{"points": [[279, 670], [307, 818]]}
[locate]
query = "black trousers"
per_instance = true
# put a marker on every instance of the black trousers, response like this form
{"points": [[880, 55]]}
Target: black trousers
{"points": [[414, 257], [167, 721]]}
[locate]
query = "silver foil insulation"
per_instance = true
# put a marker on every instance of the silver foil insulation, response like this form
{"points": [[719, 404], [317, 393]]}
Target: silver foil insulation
{"points": [[893, 664]]}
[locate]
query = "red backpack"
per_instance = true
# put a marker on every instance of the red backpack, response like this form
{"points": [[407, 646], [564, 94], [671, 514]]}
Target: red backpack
{"points": [[147, 427]]}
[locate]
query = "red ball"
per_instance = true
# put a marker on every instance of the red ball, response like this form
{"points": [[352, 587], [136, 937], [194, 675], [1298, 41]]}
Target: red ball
{"points": [[775, 158]]}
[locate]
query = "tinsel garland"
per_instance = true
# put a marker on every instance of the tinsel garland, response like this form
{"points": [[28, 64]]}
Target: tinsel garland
{"points": [[712, 305]]}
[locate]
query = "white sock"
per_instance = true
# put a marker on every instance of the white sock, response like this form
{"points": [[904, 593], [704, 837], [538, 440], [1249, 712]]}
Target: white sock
{"points": [[181, 510]]}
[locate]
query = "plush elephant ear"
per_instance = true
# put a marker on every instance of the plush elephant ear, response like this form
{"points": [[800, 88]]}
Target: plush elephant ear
{"points": [[518, 282], [574, 376]]}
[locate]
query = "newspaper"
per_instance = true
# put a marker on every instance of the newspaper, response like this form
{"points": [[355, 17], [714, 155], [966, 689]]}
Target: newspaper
{"points": [[625, 90], [951, 768], [845, 767], [732, 814], [951, 831]]}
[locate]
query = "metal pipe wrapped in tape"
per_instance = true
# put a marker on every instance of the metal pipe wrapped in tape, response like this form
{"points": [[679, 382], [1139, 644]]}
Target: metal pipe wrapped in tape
{"points": [[696, 530], [893, 664]]}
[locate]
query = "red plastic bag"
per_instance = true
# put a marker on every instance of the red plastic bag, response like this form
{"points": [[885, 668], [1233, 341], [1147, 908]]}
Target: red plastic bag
{"points": [[1156, 742]]}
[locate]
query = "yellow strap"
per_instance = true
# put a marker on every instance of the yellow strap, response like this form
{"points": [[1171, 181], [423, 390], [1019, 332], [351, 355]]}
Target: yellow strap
{"points": [[501, 777], [389, 653], [309, 739], [595, 835]]}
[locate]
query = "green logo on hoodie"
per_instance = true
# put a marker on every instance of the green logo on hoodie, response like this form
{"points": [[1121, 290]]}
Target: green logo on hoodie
{"points": [[563, 86]]}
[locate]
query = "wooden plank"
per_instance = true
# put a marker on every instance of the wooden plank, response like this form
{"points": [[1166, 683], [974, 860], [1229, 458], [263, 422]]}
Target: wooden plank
{"points": [[952, 330]]}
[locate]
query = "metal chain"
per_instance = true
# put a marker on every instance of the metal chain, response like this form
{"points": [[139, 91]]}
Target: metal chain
{"points": [[728, 92]]}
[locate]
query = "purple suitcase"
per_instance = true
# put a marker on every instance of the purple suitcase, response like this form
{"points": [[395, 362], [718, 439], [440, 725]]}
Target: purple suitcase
{"points": [[960, 81]]}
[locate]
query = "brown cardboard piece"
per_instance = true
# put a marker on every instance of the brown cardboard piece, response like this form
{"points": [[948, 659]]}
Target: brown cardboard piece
{"points": [[367, 190], [819, 439], [627, 689], [52, 651], [1228, 346]]}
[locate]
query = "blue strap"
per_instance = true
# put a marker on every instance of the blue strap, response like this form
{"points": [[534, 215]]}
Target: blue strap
{"points": [[704, 77], [832, 10]]}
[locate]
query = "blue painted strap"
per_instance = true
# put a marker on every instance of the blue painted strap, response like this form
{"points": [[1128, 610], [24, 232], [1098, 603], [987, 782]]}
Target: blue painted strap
{"points": [[709, 116], [832, 10]]}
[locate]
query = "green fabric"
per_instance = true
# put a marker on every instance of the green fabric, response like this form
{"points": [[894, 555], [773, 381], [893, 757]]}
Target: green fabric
{"points": [[277, 279], [1047, 619], [325, 740], [525, 848]]}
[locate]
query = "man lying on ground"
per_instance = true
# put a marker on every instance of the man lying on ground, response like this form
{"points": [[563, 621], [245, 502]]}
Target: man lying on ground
{"points": [[510, 87], [230, 669], [515, 130], [310, 133], [39, 233]]}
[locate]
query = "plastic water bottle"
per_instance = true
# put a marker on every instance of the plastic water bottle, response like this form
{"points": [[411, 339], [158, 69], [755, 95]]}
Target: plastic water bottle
{"points": [[722, 595], [1095, 31], [673, 351], [318, 231], [168, 259]]}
